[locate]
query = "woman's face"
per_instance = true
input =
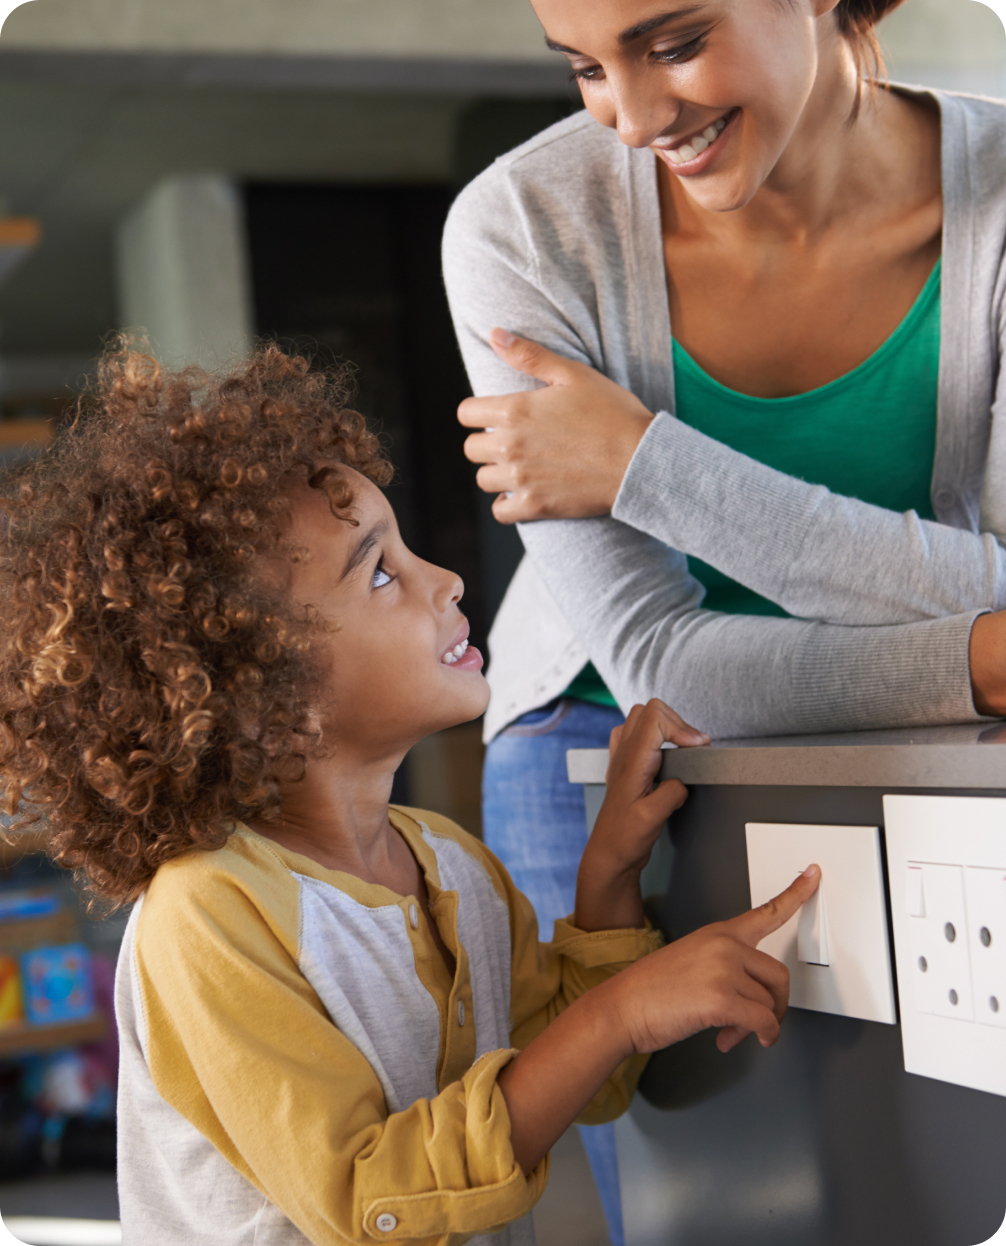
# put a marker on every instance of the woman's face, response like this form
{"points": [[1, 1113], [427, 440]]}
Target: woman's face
{"points": [[718, 89]]}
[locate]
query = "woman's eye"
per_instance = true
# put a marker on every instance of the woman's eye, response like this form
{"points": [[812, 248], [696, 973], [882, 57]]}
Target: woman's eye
{"points": [[381, 577], [592, 73], [685, 52]]}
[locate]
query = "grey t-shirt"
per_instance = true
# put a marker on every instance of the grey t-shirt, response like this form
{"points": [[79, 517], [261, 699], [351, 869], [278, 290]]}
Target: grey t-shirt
{"points": [[560, 241]]}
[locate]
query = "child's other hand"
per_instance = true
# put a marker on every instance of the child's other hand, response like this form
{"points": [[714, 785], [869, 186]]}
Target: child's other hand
{"points": [[631, 818], [634, 811], [714, 977]]}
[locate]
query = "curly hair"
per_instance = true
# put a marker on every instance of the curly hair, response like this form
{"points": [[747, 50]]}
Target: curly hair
{"points": [[152, 688]]}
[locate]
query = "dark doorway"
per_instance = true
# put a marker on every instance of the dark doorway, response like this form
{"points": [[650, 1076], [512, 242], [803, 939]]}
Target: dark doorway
{"points": [[353, 273]]}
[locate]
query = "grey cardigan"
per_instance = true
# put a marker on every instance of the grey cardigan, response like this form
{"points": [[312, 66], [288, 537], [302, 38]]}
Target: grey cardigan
{"points": [[560, 241]]}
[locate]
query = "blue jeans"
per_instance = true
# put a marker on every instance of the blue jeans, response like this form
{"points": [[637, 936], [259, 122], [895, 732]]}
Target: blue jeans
{"points": [[534, 820]]}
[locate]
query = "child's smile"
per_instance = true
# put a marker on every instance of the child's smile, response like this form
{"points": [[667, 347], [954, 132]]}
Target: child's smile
{"points": [[463, 655]]}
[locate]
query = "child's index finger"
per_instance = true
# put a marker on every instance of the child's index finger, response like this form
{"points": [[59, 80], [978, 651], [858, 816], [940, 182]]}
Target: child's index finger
{"points": [[756, 924]]}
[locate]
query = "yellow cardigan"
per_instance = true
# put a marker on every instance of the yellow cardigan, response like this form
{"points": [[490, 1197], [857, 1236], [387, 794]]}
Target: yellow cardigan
{"points": [[298, 1065]]}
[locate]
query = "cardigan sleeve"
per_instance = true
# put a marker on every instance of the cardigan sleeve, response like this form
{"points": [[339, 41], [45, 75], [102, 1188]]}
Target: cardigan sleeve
{"points": [[815, 553], [627, 593]]}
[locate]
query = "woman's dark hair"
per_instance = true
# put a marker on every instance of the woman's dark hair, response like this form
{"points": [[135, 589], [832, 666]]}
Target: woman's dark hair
{"points": [[152, 688]]}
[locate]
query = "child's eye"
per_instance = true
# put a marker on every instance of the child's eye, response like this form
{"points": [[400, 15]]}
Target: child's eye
{"points": [[381, 577]]}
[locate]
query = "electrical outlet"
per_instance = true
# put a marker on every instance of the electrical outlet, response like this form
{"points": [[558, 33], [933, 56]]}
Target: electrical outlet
{"points": [[940, 966], [946, 859], [985, 890]]}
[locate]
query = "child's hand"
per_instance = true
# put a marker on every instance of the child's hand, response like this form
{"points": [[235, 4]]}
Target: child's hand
{"points": [[631, 818], [714, 977]]}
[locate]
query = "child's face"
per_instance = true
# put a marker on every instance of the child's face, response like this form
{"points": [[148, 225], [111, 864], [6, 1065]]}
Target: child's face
{"points": [[390, 620]]}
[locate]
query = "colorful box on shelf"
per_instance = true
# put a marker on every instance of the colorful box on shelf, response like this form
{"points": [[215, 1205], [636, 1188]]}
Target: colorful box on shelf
{"points": [[58, 984], [15, 906], [11, 995]]}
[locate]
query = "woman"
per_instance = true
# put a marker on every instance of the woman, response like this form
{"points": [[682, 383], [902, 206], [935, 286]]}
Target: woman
{"points": [[824, 458]]}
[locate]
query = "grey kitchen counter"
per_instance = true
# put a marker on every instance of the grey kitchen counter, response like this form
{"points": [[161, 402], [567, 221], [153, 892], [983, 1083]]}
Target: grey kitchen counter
{"points": [[966, 756]]}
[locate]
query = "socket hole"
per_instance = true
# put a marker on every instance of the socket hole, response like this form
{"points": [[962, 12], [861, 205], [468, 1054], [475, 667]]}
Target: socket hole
{"points": [[923, 964], [993, 1003], [986, 936], [950, 932], [953, 998]]}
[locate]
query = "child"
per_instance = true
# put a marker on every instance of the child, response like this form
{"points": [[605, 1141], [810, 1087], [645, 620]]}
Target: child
{"points": [[337, 1022]]}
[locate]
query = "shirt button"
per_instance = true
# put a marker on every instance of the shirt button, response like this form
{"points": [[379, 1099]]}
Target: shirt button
{"points": [[413, 917], [944, 498], [386, 1222], [461, 1012]]}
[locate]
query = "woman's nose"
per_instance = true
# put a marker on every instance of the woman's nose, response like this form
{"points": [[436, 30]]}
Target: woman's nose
{"points": [[642, 105]]}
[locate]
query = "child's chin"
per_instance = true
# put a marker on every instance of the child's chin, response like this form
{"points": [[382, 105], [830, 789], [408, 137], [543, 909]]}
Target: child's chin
{"points": [[472, 702]]}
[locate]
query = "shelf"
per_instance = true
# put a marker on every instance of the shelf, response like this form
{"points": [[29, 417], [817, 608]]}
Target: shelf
{"points": [[23, 1039]]}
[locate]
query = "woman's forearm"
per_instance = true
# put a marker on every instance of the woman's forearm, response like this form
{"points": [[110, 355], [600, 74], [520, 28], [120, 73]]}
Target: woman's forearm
{"points": [[817, 554], [638, 614]]}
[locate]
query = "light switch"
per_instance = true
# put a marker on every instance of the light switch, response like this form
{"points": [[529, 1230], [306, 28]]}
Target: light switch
{"points": [[812, 930], [915, 895], [836, 948]]}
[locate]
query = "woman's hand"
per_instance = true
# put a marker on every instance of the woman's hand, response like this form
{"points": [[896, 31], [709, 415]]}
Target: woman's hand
{"points": [[987, 658], [631, 818], [553, 453]]}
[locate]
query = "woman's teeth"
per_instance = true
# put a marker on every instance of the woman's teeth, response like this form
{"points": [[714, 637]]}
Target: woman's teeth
{"points": [[697, 144], [452, 655]]}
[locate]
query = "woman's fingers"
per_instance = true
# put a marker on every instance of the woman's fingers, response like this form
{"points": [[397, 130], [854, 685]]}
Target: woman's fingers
{"points": [[531, 358], [509, 507], [494, 478], [489, 413]]}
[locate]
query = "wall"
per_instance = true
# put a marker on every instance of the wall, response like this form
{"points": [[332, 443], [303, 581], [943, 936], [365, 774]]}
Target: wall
{"points": [[951, 39], [387, 28]]}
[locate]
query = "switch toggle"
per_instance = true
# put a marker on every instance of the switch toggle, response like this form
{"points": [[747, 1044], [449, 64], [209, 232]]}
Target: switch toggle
{"points": [[812, 930]]}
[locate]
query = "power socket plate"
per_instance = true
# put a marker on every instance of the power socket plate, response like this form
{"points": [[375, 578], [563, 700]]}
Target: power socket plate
{"points": [[946, 858], [857, 982]]}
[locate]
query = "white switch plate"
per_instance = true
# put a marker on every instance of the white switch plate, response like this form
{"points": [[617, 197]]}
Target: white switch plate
{"points": [[857, 981], [946, 858]]}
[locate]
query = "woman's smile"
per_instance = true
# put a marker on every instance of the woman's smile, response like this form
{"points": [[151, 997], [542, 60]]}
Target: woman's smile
{"points": [[690, 150]]}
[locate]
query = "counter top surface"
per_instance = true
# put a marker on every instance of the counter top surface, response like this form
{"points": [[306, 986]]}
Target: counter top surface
{"points": [[962, 756]]}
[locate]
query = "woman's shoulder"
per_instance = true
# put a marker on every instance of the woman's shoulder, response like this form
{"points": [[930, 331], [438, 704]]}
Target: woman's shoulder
{"points": [[559, 173]]}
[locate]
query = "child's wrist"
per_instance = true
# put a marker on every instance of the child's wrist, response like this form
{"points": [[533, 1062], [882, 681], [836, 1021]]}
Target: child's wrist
{"points": [[614, 905], [604, 866], [607, 1000]]}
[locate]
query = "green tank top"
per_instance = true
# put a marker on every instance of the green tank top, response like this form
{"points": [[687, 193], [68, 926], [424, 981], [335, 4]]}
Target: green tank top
{"points": [[870, 435]]}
